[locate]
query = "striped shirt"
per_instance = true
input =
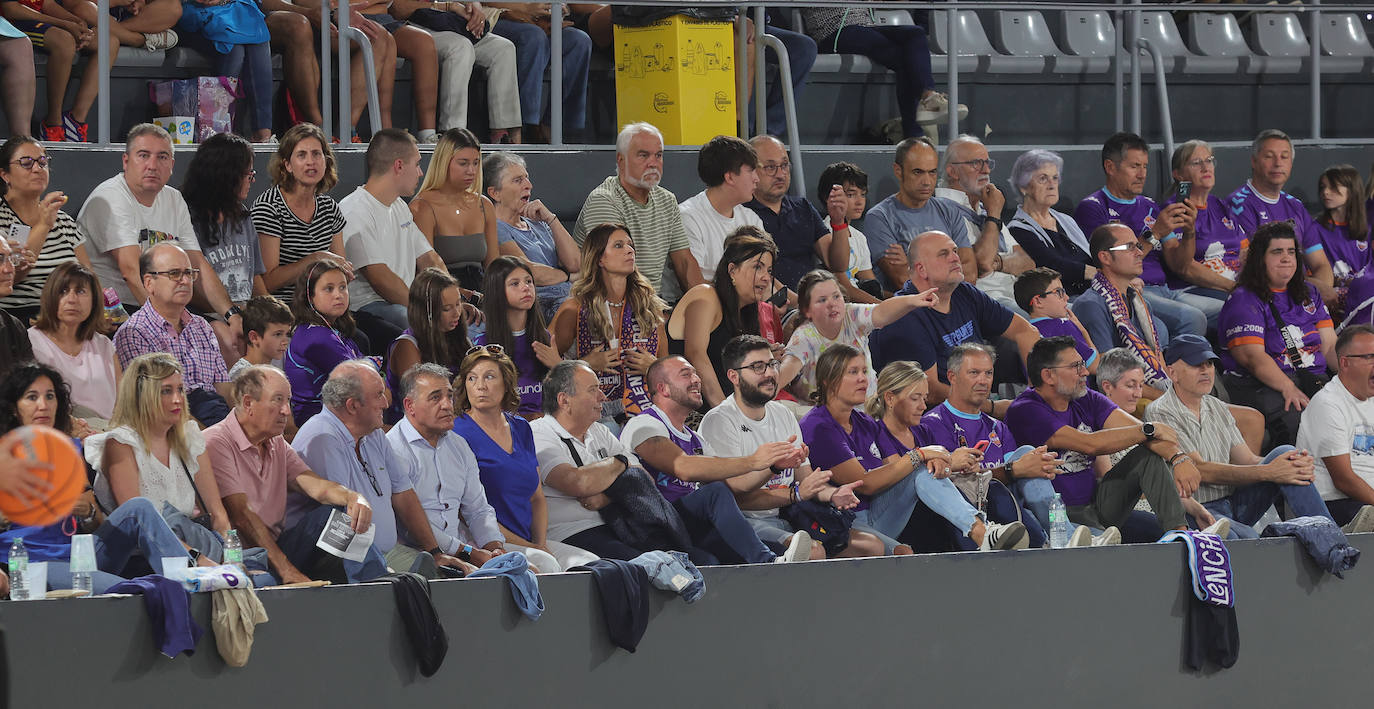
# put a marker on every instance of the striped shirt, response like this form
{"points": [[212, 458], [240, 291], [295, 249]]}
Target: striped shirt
{"points": [[656, 228], [1212, 435], [273, 218], [194, 347], [58, 248]]}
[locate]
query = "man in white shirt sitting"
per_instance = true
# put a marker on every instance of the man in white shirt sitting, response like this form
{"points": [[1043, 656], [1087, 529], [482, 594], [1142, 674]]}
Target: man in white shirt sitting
{"points": [[727, 165], [1338, 428]]}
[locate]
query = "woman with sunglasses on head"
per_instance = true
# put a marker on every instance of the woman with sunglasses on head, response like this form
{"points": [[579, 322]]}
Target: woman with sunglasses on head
{"points": [[437, 333], [216, 185], [46, 235], [515, 324], [503, 443], [67, 337], [613, 321], [324, 336]]}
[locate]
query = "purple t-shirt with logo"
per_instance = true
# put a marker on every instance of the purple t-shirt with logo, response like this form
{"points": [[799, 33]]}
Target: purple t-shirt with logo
{"points": [[1218, 241], [1033, 422], [1054, 327], [830, 445], [1102, 207], [1349, 257], [1247, 320], [1250, 210], [529, 385], [947, 426]]}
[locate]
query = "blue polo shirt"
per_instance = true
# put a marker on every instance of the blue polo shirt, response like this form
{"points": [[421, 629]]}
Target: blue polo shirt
{"points": [[795, 228]]}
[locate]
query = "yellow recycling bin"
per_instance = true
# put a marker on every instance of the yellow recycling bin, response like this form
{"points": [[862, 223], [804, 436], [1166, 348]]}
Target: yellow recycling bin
{"points": [[677, 73]]}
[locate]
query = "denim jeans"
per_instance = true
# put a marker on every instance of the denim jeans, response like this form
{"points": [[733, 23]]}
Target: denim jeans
{"points": [[532, 59], [1037, 493], [715, 523], [904, 49], [206, 406], [1247, 504], [889, 511], [1180, 311], [298, 544]]}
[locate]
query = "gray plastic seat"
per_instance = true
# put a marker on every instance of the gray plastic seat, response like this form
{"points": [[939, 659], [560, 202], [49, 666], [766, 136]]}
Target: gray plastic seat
{"points": [[973, 44], [1159, 28], [893, 17], [1025, 33], [1218, 34], [1343, 35], [1089, 34], [1280, 34], [127, 57]]}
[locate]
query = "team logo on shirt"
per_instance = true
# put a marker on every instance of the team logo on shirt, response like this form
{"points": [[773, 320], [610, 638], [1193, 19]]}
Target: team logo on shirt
{"points": [[1310, 306], [994, 439], [1226, 222], [745, 429], [1149, 221], [873, 448], [1361, 245]]}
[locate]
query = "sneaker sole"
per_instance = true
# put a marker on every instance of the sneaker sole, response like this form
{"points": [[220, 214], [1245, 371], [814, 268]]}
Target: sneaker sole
{"points": [[1221, 528], [1362, 523], [1111, 537], [1013, 537], [799, 549], [1082, 537]]}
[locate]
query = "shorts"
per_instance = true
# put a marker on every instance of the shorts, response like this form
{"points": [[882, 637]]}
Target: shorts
{"points": [[387, 21], [35, 31]]}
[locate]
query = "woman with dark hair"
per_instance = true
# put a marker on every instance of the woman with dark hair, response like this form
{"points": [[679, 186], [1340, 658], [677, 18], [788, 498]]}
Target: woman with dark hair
{"points": [[485, 400], [46, 236], [613, 321], [515, 324], [67, 337], [437, 333], [526, 228], [1277, 333], [449, 208], [34, 394], [324, 336], [298, 223], [711, 314], [1342, 227], [216, 184], [829, 320]]}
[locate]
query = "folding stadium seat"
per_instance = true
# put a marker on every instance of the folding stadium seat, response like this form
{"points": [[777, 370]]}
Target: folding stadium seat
{"points": [[1025, 33], [1279, 39], [1343, 36], [1218, 34], [1160, 29], [1280, 34], [974, 41], [1089, 34]]}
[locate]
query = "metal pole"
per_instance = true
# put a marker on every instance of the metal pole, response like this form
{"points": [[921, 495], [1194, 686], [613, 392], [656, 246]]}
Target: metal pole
{"points": [[1135, 69], [326, 88], [952, 59], [1119, 70], [556, 74], [1316, 39], [345, 81], [374, 104], [742, 72], [1162, 88], [789, 106], [760, 76], [102, 56]]}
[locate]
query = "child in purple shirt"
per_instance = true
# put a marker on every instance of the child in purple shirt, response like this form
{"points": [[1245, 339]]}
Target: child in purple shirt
{"points": [[322, 338], [1040, 292]]}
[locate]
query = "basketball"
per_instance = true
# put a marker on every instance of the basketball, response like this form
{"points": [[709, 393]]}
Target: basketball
{"points": [[67, 477]]}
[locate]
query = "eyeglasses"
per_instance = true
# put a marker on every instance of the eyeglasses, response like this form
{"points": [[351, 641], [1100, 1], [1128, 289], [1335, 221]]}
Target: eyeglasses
{"points": [[979, 163], [1057, 291], [1367, 358], [772, 168], [1080, 365], [1133, 246], [1209, 162], [177, 274], [761, 367], [370, 477], [27, 163], [494, 350]]}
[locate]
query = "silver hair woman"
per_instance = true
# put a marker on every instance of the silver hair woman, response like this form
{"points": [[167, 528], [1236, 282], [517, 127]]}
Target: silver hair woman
{"points": [[1052, 238]]}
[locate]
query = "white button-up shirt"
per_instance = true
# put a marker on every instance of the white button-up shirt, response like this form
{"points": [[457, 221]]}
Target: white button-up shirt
{"points": [[446, 481]]}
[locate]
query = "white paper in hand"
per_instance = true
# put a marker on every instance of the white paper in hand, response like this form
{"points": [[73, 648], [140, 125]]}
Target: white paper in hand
{"points": [[339, 539]]}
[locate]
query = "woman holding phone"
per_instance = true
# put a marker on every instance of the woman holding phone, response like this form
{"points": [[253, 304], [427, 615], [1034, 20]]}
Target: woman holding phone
{"points": [[1203, 262]]}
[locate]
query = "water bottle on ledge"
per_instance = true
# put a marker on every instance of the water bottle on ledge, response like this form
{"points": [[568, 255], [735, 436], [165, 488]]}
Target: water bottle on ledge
{"points": [[233, 549], [1059, 523], [19, 571]]}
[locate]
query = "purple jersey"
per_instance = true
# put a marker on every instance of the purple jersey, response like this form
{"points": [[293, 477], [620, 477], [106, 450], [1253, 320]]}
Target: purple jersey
{"points": [[1102, 207], [672, 487], [1054, 327], [947, 426], [1218, 243], [830, 445], [1250, 210], [1349, 257], [1033, 421], [1247, 320]]}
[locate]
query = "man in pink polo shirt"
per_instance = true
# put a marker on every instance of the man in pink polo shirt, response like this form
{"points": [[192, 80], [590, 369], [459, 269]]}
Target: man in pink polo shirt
{"points": [[255, 468]]}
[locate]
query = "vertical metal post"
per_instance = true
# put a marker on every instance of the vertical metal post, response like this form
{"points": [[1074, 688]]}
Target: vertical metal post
{"points": [[789, 106], [102, 57], [1135, 20], [1119, 69], [742, 72], [556, 74], [326, 74], [374, 110], [1316, 71], [952, 60], [345, 81], [760, 75]]}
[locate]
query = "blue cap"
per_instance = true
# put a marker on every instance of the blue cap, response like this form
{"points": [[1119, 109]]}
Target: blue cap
{"points": [[1193, 349]]}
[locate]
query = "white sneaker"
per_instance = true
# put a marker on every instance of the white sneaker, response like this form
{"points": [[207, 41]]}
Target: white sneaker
{"points": [[1082, 537], [1108, 538], [935, 108], [799, 549], [1011, 535], [427, 137], [1362, 522], [1221, 527], [160, 41]]}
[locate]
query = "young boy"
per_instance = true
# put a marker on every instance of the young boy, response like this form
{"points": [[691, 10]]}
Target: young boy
{"points": [[1040, 292], [860, 285], [266, 330]]}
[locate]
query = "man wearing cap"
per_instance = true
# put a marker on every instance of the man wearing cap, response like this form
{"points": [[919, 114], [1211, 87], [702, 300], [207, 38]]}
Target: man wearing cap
{"points": [[1236, 482]]}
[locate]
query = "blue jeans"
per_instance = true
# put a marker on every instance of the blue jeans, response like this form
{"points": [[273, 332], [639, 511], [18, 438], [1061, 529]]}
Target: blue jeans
{"points": [[716, 525], [532, 59], [1179, 310], [206, 406], [801, 56], [1247, 504], [902, 48], [298, 544], [890, 511]]}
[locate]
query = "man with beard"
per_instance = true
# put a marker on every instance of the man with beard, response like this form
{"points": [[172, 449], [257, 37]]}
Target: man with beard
{"points": [[792, 221], [750, 419], [692, 478], [1236, 483], [1078, 424], [634, 197]]}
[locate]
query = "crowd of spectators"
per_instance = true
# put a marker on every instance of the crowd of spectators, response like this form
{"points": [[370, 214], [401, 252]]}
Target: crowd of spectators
{"points": [[740, 375]]}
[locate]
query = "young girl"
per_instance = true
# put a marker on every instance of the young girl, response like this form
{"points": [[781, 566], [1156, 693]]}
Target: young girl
{"points": [[437, 333], [515, 323], [1342, 227], [324, 336]]}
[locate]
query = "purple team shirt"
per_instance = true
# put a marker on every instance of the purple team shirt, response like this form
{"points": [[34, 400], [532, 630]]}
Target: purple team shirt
{"points": [[1054, 327], [830, 445], [1247, 320], [1349, 257], [1250, 210], [1218, 243], [314, 352], [1102, 207], [1033, 422], [529, 385], [947, 426]]}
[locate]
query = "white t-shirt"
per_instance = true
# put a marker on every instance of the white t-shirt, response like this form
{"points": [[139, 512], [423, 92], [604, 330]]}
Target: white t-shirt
{"points": [[860, 259], [113, 218], [807, 343], [379, 234], [1335, 423], [707, 230], [567, 516], [731, 433]]}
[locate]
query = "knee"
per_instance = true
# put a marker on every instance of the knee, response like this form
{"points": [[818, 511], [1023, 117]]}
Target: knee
{"points": [[60, 44], [576, 43], [139, 507], [296, 29]]}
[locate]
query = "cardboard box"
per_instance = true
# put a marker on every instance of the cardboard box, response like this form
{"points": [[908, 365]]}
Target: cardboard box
{"points": [[677, 73]]}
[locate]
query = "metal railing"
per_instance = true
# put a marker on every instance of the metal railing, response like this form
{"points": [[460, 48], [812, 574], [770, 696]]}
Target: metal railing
{"points": [[1120, 11]]}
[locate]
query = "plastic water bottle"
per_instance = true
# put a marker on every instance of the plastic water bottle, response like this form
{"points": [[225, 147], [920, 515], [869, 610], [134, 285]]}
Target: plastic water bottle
{"points": [[1059, 523], [19, 571], [115, 314], [233, 549]]}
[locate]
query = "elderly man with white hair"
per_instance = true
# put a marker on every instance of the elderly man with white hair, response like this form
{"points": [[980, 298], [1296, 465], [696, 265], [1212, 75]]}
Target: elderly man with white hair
{"points": [[634, 197]]}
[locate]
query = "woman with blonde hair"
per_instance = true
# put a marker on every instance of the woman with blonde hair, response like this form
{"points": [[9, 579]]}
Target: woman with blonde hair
{"points": [[459, 222], [613, 321]]}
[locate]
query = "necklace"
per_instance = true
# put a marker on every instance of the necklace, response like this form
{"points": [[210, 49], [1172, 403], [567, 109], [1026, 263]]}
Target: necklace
{"points": [[621, 304]]}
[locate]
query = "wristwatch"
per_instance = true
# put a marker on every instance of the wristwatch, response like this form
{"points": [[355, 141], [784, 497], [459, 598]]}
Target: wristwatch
{"points": [[195, 555], [1148, 428], [232, 311], [624, 460], [465, 554]]}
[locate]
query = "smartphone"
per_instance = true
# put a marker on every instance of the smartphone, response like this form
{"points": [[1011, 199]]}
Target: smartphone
{"points": [[1185, 188], [981, 446]]}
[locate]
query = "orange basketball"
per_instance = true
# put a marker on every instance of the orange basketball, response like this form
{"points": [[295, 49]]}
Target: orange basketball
{"points": [[67, 477]]}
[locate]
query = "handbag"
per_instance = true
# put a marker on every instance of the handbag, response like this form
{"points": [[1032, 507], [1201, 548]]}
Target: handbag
{"points": [[822, 521]]}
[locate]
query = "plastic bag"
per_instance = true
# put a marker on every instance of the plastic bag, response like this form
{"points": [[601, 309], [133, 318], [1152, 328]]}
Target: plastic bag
{"points": [[212, 100]]}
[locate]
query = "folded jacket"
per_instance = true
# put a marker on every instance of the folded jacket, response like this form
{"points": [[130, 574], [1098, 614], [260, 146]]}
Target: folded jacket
{"points": [[426, 633], [673, 571], [1323, 540], [236, 613], [169, 612], [524, 587], [639, 515], [624, 591]]}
